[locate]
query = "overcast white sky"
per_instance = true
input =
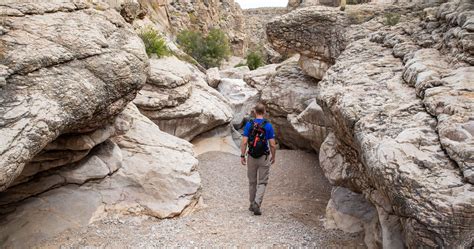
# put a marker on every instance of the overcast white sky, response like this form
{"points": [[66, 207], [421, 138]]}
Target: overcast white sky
{"points": [[246, 4]]}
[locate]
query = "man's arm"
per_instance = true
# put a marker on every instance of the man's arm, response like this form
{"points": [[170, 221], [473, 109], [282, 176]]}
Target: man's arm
{"points": [[243, 150], [272, 150]]}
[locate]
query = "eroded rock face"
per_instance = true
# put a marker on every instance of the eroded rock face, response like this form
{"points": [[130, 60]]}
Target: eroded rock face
{"points": [[289, 97], [142, 172], [180, 101], [319, 41], [242, 98], [204, 15], [400, 125], [63, 76], [255, 25]]}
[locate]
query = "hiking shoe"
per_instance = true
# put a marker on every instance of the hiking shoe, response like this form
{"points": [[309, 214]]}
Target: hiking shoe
{"points": [[251, 208], [256, 209]]}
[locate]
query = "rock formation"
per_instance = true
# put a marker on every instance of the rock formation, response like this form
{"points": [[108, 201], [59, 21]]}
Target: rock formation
{"points": [[178, 99], [255, 25], [70, 139], [319, 41], [55, 83], [397, 100]]}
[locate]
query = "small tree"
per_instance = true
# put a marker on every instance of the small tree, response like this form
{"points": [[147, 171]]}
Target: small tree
{"points": [[254, 60], [154, 42], [209, 50]]}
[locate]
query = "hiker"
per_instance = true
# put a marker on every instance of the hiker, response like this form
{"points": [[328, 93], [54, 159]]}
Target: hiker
{"points": [[259, 139]]}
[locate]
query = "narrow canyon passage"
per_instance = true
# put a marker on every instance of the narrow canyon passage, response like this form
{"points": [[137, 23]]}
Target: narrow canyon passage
{"points": [[293, 212]]}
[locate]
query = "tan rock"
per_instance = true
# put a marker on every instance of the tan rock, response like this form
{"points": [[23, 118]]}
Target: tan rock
{"points": [[84, 71]]}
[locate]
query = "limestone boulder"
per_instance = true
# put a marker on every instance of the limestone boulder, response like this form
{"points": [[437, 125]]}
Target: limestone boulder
{"points": [[319, 41], [65, 68], [242, 98], [259, 77], [180, 101], [142, 172], [352, 213], [234, 73], [287, 94], [213, 77]]}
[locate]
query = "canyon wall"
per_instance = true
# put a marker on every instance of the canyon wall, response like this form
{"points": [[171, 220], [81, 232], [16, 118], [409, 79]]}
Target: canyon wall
{"points": [[397, 98]]}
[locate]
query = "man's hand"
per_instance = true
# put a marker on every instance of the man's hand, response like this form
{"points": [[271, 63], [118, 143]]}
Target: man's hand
{"points": [[243, 161], [272, 150], [272, 159]]}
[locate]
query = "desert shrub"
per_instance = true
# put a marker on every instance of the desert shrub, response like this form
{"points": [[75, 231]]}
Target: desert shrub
{"points": [[208, 50], [254, 60], [392, 19], [154, 42]]}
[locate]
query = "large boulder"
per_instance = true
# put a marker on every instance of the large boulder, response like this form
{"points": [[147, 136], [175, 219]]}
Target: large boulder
{"points": [[319, 41], [65, 68], [142, 172], [241, 96], [288, 96], [180, 101]]}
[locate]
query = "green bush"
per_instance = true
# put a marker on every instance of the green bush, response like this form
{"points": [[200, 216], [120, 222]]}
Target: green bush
{"points": [[241, 64], [154, 43], [391, 19], [254, 60], [208, 50]]}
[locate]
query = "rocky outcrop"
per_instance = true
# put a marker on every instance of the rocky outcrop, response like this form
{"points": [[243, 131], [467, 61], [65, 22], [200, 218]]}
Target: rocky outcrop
{"points": [[242, 98], [289, 97], [319, 41], [255, 25], [405, 148], [352, 213], [60, 81], [70, 140], [142, 172], [293, 4], [178, 99], [204, 15]]}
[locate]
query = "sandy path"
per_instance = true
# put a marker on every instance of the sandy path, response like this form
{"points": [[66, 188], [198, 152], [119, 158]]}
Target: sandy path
{"points": [[293, 212]]}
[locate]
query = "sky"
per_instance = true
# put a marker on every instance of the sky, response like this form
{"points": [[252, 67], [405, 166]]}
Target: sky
{"points": [[246, 4]]}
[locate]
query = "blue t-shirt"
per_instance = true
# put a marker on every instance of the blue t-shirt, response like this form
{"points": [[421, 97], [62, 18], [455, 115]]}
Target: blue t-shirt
{"points": [[269, 133]]}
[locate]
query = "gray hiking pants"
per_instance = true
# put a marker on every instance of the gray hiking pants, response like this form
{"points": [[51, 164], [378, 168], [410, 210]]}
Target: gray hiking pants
{"points": [[258, 170]]}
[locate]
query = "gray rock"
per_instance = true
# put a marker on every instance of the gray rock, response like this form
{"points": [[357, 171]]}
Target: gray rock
{"points": [[182, 104], [75, 69], [213, 77], [242, 98]]}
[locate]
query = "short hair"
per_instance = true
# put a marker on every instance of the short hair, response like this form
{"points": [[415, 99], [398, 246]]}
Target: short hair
{"points": [[260, 109]]}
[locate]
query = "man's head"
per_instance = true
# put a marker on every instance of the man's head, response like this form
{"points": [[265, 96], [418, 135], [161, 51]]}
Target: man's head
{"points": [[259, 109]]}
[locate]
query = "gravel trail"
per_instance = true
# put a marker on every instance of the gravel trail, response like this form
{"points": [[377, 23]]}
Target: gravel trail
{"points": [[293, 212]]}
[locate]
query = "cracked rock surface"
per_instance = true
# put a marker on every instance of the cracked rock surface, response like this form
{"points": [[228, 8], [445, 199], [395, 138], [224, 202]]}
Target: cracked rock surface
{"points": [[60, 65], [142, 172], [179, 100], [398, 101]]}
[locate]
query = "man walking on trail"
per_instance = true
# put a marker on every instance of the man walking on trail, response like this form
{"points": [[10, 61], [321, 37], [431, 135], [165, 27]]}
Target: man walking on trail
{"points": [[259, 139]]}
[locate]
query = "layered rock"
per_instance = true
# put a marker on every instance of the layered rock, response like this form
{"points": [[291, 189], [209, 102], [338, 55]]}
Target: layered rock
{"points": [[255, 25], [242, 98], [68, 139], [148, 173], [406, 149], [59, 80], [319, 41], [178, 99], [289, 97], [204, 15]]}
